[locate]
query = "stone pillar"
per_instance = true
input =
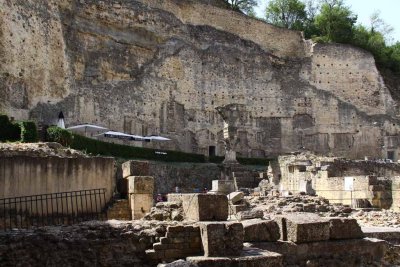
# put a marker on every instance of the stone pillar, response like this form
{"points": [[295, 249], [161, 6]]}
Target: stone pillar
{"points": [[140, 190], [132, 168]]}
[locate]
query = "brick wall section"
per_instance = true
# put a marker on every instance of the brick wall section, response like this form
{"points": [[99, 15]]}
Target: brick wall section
{"points": [[179, 242]]}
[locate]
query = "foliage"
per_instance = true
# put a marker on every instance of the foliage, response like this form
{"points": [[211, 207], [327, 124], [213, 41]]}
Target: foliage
{"points": [[253, 161], [246, 6], [9, 131], [97, 147], [29, 132], [59, 135], [243, 161], [335, 22], [332, 21], [289, 14]]}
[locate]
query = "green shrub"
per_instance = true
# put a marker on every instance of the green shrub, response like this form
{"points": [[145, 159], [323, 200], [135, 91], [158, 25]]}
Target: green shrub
{"points": [[9, 131], [216, 159], [254, 161], [29, 132], [97, 147], [59, 135]]}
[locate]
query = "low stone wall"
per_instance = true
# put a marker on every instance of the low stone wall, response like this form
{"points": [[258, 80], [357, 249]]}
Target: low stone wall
{"points": [[87, 244], [189, 177], [25, 175]]}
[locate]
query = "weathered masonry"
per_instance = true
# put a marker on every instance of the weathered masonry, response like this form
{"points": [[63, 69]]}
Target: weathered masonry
{"points": [[163, 67], [361, 183]]}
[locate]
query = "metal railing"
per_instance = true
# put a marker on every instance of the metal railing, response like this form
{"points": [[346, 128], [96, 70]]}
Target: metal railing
{"points": [[52, 209]]}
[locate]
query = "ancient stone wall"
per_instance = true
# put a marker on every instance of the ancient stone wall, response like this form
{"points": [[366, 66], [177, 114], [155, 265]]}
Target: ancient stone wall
{"points": [[163, 67], [26, 176], [188, 177]]}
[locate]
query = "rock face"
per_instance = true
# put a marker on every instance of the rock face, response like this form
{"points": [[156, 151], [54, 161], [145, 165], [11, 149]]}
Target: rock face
{"points": [[163, 67]]}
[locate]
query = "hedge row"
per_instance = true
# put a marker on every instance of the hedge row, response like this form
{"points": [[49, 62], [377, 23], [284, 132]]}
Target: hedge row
{"points": [[123, 151], [243, 161], [97, 147], [24, 131], [59, 135]]}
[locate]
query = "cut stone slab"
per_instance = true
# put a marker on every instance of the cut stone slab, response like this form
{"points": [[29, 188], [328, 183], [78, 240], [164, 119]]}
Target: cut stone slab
{"points": [[250, 214], [202, 207], [348, 252], [258, 230], [140, 195], [221, 239], [249, 257], [344, 228], [135, 168], [223, 186], [234, 209], [140, 185], [235, 197], [303, 227]]}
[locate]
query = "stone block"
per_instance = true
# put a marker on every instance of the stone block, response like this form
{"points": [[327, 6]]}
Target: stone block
{"points": [[135, 168], [234, 209], [235, 197], [223, 186], [250, 214], [221, 239], [202, 207], [141, 204], [257, 230], [173, 254], [140, 190], [140, 185], [301, 228], [249, 257], [344, 228], [151, 254]]}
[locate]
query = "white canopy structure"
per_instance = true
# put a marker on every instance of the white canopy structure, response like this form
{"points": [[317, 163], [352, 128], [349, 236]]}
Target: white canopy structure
{"points": [[113, 134], [156, 138], [87, 128]]}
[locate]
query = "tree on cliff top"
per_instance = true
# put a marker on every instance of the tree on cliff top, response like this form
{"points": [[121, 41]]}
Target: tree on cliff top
{"points": [[246, 6], [335, 22], [289, 14]]}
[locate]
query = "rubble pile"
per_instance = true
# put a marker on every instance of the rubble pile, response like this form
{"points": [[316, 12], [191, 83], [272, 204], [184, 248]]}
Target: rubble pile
{"points": [[296, 203], [382, 218], [166, 211], [275, 205], [50, 149]]}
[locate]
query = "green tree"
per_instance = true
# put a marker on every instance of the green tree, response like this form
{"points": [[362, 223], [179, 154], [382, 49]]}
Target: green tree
{"points": [[289, 14], [335, 22], [379, 25], [246, 6], [312, 9]]}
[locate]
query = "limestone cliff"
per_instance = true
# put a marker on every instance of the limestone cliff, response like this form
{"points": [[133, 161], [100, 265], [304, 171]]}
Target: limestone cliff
{"points": [[163, 67]]}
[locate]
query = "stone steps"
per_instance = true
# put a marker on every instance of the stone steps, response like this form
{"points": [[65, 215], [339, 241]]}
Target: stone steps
{"points": [[120, 210], [250, 257]]}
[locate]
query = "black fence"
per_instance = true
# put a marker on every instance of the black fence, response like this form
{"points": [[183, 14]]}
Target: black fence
{"points": [[52, 209]]}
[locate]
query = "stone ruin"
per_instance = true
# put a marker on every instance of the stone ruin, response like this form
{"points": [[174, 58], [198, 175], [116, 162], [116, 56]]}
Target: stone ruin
{"points": [[222, 230], [213, 229], [358, 183]]}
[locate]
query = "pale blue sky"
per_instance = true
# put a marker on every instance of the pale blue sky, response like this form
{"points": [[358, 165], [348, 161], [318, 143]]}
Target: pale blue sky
{"points": [[364, 8]]}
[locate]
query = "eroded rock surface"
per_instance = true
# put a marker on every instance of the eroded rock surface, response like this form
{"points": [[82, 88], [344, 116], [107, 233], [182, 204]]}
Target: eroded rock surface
{"points": [[163, 67]]}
